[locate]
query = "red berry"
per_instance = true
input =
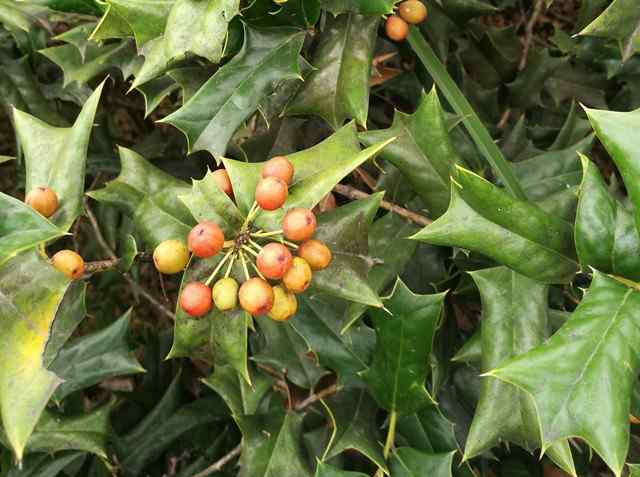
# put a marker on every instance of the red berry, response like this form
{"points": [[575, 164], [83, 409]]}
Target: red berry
{"points": [[299, 224], [206, 239], [256, 296], [271, 193], [221, 177], [195, 299], [279, 167], [317, 254], [396, 28], [274, 260], [43, 200]]}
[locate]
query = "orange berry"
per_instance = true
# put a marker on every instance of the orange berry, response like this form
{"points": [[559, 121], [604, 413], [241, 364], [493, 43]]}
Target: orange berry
{"points": [[206, 239], [298, 278], [221, 177], [299, 224], [69, 263], [271, 193], [316, 253], [279, 167], [43, 200], [274, 260], [396, 28], [256, 296], [195, 299], [413, 11]]}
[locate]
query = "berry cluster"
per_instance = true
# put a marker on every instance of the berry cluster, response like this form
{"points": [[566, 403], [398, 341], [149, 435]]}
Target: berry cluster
{"points": [[267, 253], [44, 200], [409, 12]]}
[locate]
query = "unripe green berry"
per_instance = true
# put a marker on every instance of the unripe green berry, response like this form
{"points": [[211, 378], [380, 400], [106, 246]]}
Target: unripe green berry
{"points": [[285, 304], [171, 256], [225, 294], [69, 263]]}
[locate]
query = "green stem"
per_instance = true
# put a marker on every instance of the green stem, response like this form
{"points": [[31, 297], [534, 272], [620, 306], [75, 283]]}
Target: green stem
{"points": [[250, 250], [472, 122], [254, 266], [266, 234], [391, 434], [218, 267], [230, 267], [244, 266]]}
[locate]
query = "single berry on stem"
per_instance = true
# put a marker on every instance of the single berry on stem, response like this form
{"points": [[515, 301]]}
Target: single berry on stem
{"points": [[171, 256], [69, 263], [298, 278], [274, 260], [195, 299], [206, 239], [285, 304], [413, 11], [256, 296], [299, 224], [225, 294], [221, 177], [271, 193], [316, 253], [279, 167], [43, 200], [396, 28]]}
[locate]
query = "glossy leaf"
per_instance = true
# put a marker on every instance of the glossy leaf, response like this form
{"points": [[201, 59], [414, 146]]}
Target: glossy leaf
{"points": [[429, 431], [213, 114], [365, 7], [423, 151], [28, 309], [284, 349], [514, 320], [484, 219], [39, 465], [326, 470], [151, 197], [338, 88], [619, 22], [87, 433], [390, 247], [606, 236], [271, 445], [319, 322], [345, 231], [352, 414], [408, 462], [242, 398], [396, 377], [50, 153], [22, 228], [616, 132], [95, 357], [573, 376]]}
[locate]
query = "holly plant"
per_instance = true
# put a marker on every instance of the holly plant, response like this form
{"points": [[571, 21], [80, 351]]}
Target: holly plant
{"points": [[319, 238]]}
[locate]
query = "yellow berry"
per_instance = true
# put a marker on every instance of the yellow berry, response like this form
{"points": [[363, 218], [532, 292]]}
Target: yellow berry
{"points": [[171, 256]]}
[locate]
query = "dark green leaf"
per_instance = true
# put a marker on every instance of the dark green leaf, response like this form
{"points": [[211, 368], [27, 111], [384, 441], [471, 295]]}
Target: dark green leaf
{"points": [[241, 397], [325, 470], [365, 7], [408, 462]]}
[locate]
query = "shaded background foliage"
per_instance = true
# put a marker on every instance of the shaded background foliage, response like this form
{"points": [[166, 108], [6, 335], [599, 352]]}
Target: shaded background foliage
{"points": [[221, 79]]}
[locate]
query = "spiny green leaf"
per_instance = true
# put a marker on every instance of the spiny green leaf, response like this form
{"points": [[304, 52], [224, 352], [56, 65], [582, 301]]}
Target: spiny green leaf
{"points": [[326, 470], [352, 414], [423, 151], [339, 88], [484, 219], [408, 462], [241, 397], [397, 375], [271, 445], [514, 320], [620, 22], [573, 376], [606, 236], [22, 228], [212, 115], [51, 153], [28, 309], [95, 357], [365, 7]]}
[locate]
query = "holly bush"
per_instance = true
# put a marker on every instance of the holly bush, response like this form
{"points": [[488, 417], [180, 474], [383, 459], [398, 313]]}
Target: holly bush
{"points": [[437, 275]]}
